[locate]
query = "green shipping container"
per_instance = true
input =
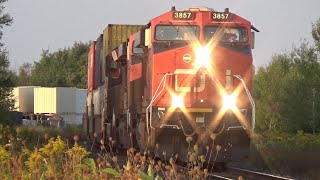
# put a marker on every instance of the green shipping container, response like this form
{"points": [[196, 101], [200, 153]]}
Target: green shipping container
{"points": [[114, 35]]}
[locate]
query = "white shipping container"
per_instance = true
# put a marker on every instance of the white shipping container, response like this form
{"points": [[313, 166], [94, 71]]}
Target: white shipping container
{"points": [[24, 98], [81, 98], [57, 100]]}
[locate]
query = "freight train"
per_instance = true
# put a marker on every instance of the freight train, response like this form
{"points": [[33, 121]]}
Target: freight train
{"points": [[184, 74]]}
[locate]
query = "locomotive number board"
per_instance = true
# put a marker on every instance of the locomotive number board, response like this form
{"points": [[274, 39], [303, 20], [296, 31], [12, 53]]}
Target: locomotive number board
{"points": [[183, 15], [220, 16]]}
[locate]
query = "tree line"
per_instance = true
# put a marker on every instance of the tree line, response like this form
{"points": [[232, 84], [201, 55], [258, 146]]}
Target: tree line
{"points": [[287, 90], [6, 76], [64, 68]]}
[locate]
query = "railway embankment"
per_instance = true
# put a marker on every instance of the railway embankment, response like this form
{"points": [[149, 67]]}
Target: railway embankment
{"points": [[283, 153]]}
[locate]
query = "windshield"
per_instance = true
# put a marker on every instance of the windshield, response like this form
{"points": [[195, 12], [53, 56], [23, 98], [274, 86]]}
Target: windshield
{"points": [[135, 49], [226, 34], [173, 32]]}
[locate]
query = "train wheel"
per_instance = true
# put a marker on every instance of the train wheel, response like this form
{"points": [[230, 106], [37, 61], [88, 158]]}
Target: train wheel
{"points": [[144, 140], [142, 135], [123, 135], [113, 130]]}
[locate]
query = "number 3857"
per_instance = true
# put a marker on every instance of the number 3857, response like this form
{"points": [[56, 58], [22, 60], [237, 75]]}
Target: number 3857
{"points": [[182, 15], [220, 16]]}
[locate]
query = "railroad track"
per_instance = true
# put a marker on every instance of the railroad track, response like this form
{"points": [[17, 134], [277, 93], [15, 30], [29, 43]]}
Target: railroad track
{"points": [[237, 173], [249, 174], [212, 175], [230, 172]]}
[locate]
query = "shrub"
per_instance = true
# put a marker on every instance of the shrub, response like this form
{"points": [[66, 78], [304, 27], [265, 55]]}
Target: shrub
{"points": [[52, 158], [288, 152]]}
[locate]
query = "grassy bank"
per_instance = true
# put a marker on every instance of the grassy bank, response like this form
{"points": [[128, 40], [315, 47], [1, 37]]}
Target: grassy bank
{"points": [[288, 153]]}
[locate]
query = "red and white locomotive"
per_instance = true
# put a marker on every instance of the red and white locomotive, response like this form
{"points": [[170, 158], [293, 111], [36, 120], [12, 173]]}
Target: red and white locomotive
{"points": [[186, 73]]}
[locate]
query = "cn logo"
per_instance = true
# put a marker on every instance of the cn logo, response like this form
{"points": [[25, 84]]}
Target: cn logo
{"points": [[186, 58], [191, 73]]}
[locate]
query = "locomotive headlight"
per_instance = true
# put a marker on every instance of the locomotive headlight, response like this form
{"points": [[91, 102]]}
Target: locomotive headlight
{"points": [[177, 101], [203, 56], [229, 101]]}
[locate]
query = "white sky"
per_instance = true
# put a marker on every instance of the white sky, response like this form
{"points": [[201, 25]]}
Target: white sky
{"points": [[54, 24]]}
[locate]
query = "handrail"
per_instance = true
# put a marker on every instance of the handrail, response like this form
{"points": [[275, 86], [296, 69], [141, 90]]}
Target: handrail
{"points": [[253, 123], [156, 95], [128, 119]]}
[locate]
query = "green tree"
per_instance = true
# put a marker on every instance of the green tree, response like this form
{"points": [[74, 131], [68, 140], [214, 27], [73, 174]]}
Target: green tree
{"points": [[6, 82], [287, 91], [300, 102], [64, 68], [316, 33], [268, 92], [24, 76], [6, 76]]}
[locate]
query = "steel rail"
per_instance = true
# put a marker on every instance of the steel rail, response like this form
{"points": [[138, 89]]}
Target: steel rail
{"points": [[259, 173], [218, 177], [211, 175]]}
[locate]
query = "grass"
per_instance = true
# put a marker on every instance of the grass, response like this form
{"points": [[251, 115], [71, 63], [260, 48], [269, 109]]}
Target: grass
{"points": [[44, 153]]}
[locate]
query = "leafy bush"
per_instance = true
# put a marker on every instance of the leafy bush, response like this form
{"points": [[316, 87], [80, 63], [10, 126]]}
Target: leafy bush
{"points": [[289, 152], [54, 159]]}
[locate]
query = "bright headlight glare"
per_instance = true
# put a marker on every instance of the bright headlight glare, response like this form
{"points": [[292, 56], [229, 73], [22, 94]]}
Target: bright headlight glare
{"points": [[229, 102], [177, 101], [203, 56]]}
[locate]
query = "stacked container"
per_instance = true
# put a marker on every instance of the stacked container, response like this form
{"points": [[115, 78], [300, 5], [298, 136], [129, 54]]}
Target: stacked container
{"points": [[24, 98], [68, 103], [113, 35]]}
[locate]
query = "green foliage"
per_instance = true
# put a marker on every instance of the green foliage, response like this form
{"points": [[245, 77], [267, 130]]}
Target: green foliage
{"points": [[111, 172], [7, 81], [146, 177], [53, 156], [38, 133], [7, 117], [316, 33], [36, 164], [77, 154], [285, 142], [5, 156], [24, 77], [6, 76], [5, 159], [5, 19], [69, 131], [54, 159], [287, 151], [150, 171], [287, 91], [64, 68], [268, 80], [90, 162], [5, 132]]}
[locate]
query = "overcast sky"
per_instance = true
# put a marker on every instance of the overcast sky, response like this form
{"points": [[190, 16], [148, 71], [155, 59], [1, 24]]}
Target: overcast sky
{"points": [[54, 24]]}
